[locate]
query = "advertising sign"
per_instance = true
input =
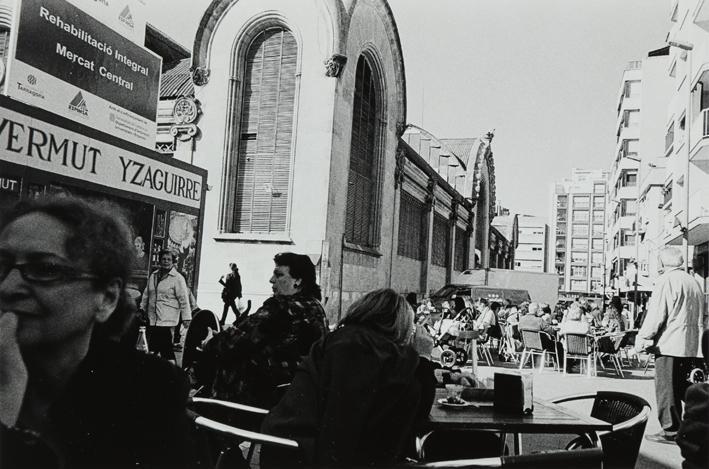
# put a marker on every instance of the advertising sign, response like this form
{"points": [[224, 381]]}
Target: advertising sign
{"points": [[37, 144], [63, 60], [125, 16]]}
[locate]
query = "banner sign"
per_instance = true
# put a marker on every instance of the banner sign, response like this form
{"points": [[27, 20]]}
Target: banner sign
{"points": [[125, 16], [31, 142], [67, 62]]}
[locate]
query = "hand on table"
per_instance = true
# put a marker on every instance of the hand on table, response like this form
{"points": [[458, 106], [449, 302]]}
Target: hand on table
{"points": [[13, 372]]}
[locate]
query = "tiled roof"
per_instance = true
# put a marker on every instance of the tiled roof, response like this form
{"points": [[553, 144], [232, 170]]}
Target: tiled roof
{"points": [[177, 81], [460, 146]]}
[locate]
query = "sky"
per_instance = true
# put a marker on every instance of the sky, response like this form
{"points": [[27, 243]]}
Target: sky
{"points": [[544, 74]]}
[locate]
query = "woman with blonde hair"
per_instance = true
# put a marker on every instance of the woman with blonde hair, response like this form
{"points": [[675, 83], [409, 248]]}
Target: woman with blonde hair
{"points": [[362, 391]]}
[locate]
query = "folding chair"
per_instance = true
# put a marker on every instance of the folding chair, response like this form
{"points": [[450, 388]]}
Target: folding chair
{"points": [[609, 346], [211, 414]]}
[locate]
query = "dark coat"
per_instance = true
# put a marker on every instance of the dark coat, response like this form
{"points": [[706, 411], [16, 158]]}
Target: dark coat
{"points": [[123, 409], [232, 286], [694, 430], [356, 400]]}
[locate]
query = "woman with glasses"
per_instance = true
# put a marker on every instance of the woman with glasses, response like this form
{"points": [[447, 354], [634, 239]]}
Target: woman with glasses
{"points": [[66, 381], [359, 395]]}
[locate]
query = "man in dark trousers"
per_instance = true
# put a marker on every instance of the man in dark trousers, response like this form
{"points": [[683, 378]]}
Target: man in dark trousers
{"points": [[231, 291], [672, 330]]}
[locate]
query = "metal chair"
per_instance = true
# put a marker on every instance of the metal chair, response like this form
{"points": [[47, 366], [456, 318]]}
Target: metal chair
{"points": [[224, 439], [609, 346], [627, 346], [533, 345], [581, 459], [628, 414], [579, 347]]}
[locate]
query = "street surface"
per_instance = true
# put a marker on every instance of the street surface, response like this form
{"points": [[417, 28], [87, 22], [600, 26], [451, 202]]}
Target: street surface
{"points": [[550, 384]]}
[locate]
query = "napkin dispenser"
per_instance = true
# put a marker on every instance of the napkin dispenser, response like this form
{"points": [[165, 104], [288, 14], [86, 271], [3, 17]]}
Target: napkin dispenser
{"points": [[513, 393]]}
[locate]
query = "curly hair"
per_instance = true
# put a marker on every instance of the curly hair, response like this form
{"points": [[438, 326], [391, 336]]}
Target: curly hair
{"points": [[301, 267], [100, 237]]}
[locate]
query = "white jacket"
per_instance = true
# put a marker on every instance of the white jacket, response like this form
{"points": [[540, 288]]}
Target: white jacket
{"points": [[675, 320], [166, 300]]}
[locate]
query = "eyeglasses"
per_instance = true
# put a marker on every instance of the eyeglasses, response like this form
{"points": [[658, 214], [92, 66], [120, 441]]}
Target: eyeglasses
{"points": [[42, 271]]}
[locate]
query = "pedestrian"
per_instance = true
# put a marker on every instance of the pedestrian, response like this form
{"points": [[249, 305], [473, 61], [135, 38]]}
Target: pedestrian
{"points": [[165, 300], [231, 291], [251, 358], [672, 330]]}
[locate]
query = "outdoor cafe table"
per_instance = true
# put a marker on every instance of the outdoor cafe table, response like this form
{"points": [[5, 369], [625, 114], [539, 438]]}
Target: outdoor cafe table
{"points": [[546, 418]]}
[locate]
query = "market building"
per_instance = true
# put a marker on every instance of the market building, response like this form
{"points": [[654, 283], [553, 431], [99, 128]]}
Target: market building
{"points": [[304, 109]]}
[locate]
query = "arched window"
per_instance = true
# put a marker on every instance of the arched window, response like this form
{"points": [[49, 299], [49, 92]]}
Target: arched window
{"points": [[362, 222], [260, 190]]}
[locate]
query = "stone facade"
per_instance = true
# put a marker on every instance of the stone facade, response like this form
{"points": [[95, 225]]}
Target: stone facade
{"points": [[332, 36]]}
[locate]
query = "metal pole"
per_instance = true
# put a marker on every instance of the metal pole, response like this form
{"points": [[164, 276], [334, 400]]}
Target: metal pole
{"points": [[685, 235]]}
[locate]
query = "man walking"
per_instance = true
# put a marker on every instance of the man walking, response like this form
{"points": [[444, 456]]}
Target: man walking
{"points": [[231, 291], [165, 299], [671, 330]]}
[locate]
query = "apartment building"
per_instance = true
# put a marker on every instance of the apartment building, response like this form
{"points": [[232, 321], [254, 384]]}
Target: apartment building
{"points": [[635, 184], [578, 222], [532, 240], [685, 209]]}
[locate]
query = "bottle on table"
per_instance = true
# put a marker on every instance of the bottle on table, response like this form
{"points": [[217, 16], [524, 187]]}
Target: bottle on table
{"points": [[142, 343]]}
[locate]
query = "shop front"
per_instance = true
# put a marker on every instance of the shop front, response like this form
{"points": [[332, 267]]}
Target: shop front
{"points": [[162, 198]]}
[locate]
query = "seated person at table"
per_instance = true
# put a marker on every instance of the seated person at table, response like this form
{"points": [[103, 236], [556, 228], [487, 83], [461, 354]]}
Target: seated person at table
{"points": [[694, 430], [487, 317], [250, 360], [595, 316], [361, 392], [574, 323], [66, 380], [612, 320], [532, 321]]}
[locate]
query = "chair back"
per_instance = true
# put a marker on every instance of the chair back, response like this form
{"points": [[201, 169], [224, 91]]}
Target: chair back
{"points": [[628, 414], [201, 322], [577, 344], [532, 340], [609, 344], [628, 338], [220, 426]]}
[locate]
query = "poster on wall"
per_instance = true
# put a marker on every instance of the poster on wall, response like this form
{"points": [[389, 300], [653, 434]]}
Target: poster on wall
{"points": [[137, 214], [65, 61], [182, 240]]}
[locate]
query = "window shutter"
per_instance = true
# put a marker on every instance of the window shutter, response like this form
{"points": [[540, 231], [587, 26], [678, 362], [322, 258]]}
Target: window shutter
{"points": [[263, 172], [412, 225], [362, 221], [461, 250], [441, 241]]}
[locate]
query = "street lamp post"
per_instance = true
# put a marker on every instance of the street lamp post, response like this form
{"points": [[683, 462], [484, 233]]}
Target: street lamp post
{"points": [[687, 47]]}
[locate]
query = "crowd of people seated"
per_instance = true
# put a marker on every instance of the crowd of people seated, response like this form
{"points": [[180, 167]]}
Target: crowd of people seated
{"points": [[73, 394]]}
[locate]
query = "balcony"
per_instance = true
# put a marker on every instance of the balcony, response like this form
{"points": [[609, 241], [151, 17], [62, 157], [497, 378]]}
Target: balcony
{"points": [[669, 138], [699, 152]]}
